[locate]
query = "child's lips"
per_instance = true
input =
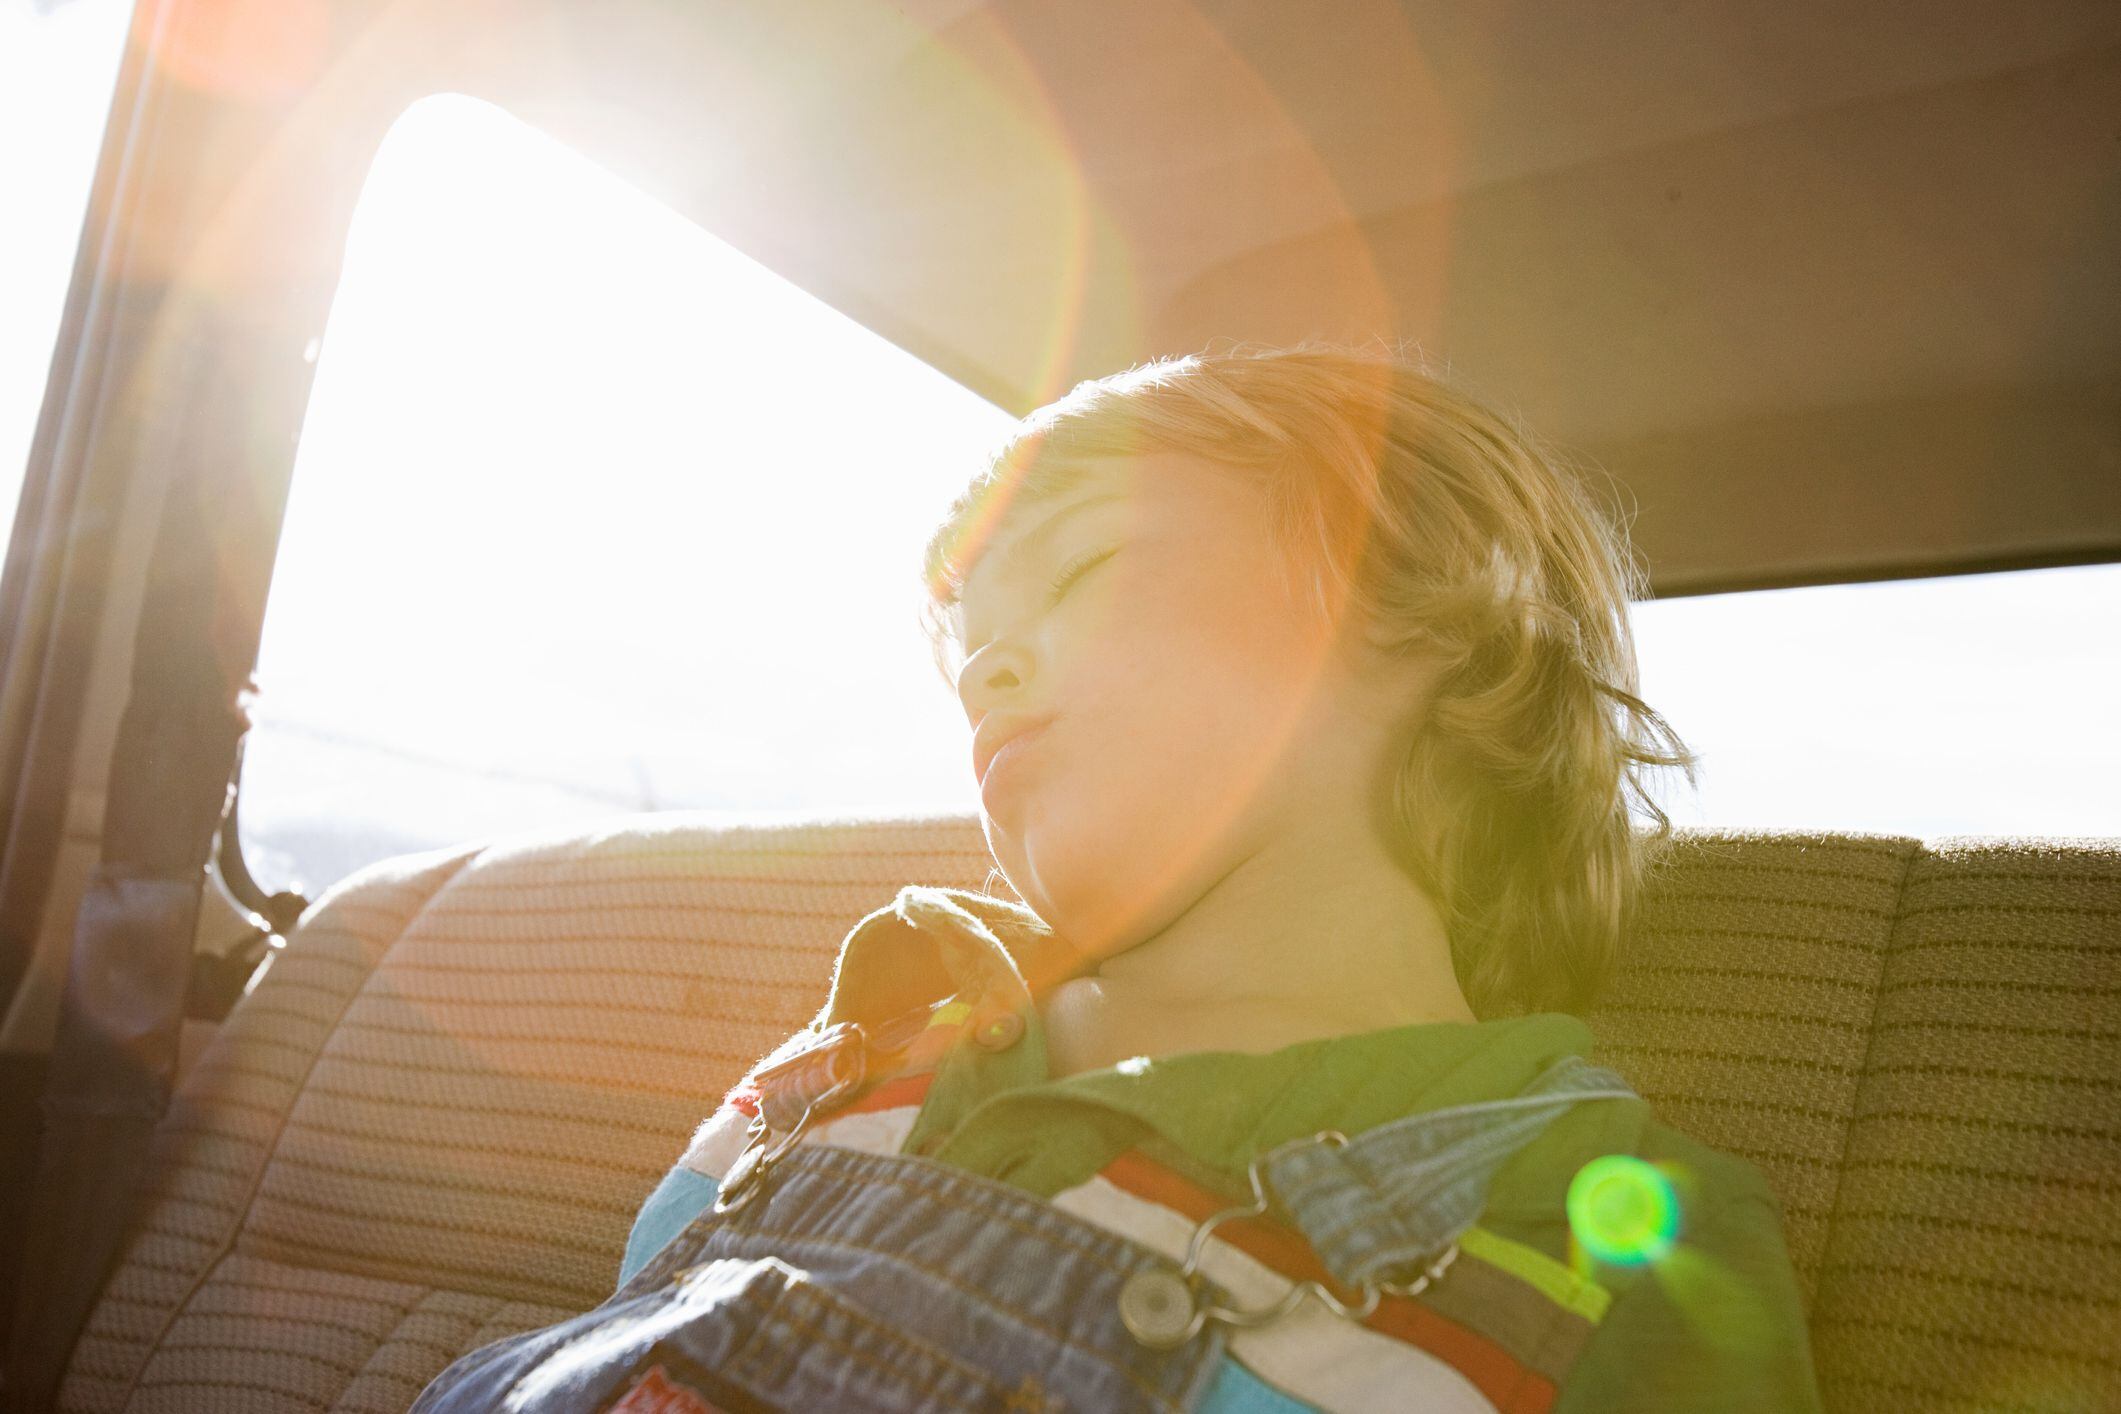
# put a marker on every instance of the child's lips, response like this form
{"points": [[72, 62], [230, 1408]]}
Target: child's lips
{"points": [[997, 732], [1008, 752]]}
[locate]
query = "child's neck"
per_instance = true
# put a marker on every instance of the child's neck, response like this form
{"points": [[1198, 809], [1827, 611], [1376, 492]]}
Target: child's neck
{"points": [[1274, 954]]}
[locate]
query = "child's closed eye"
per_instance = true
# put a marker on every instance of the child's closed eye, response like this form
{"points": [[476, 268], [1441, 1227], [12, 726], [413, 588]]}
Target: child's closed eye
{"points": [[1065, 580]]}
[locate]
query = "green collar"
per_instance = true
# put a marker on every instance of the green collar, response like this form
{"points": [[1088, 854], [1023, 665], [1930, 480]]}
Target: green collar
{"points": [[1209, 1112], [995, 1110]]}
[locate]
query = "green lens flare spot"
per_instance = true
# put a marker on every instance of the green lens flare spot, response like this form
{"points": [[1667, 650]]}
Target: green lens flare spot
{"points": [[1623, 1210]]}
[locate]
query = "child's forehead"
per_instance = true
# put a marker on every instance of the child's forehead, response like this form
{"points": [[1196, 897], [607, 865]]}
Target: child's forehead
{"points": [[1050, 488]]}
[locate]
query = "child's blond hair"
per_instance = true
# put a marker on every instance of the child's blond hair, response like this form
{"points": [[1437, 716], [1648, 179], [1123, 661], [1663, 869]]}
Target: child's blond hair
{"points": [[1413, 515]]}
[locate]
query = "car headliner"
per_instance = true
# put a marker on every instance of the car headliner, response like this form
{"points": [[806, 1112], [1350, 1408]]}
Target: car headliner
{"points": [[1834, 291]]}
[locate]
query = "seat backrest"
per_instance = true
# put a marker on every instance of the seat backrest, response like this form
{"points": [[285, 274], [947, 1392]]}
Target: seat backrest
{"points": [[1921, 1046], [431, 1123], [1976, 1240]]}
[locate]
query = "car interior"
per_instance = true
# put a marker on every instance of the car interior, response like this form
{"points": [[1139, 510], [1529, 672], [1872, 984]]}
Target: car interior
{"points": [[1831, 293]]}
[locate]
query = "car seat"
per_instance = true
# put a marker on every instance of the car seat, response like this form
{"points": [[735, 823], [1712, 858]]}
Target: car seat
{"points": [[431, 1122]]}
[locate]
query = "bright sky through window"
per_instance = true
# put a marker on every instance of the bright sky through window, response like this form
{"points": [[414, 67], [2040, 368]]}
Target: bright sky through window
{"points": [[592, 513], [57, 66], [1977, 704]]}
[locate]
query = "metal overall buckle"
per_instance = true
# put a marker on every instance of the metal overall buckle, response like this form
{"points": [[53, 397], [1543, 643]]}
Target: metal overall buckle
{"points": [[1164, 1308], [842, 1047]]}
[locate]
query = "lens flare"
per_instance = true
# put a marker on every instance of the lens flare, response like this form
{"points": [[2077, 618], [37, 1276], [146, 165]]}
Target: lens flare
{"points": [[1623, 1210]]}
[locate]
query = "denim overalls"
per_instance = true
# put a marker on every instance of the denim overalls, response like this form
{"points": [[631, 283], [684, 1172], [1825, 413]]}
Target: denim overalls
{"points": [[838, 1279]]}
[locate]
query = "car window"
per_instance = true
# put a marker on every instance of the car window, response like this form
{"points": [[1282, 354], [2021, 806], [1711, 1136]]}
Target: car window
{"points": [[57, 66], [1974, 704], [591, 514]]}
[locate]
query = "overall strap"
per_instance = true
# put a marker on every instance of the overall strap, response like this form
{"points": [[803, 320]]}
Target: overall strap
{"points": [[1395, 1197]]}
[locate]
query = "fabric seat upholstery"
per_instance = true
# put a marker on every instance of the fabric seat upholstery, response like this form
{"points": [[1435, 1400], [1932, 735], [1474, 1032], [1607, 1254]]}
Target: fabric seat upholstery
{"points": [[432, 1121]]}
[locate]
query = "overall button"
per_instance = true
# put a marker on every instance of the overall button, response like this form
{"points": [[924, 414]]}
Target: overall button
{"points": [[999, 1033]]}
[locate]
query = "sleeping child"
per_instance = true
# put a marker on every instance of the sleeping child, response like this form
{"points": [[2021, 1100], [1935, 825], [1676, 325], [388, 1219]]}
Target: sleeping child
{"points": [[1303, 709]]}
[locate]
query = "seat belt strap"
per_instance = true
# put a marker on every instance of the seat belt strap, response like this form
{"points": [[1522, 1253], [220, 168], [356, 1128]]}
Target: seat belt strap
{"points": [[121, 1010]]}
